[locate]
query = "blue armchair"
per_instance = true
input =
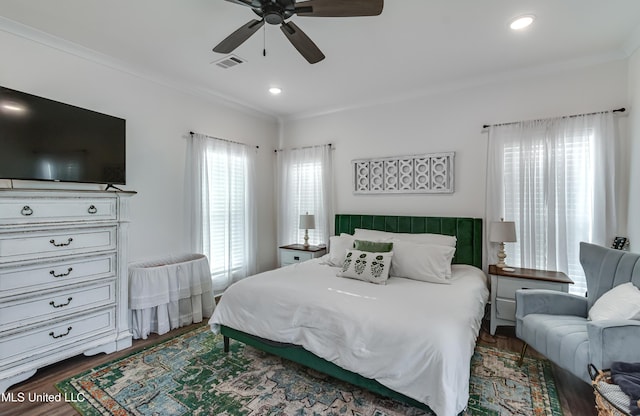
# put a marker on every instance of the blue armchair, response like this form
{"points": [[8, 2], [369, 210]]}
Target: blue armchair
{"points": [[556, 324]]}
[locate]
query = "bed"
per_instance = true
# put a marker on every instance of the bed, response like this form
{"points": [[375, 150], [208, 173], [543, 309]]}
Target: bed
{"points": [[407, 339]]}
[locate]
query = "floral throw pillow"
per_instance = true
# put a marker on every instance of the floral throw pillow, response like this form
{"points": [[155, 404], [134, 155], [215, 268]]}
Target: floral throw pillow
{"points": [[367, 266]]}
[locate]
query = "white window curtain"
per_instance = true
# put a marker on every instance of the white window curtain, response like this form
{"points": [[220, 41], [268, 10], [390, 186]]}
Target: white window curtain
{"points": [[305, 184], [556, 179], [220, 210]]}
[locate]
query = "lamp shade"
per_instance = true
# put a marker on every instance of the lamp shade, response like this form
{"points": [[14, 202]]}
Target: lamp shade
{"points": [[502, 232], [307, 222]]}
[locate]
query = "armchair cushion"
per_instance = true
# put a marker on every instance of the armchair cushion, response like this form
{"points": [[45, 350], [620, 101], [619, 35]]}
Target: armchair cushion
{"points": [[561, 338], [614, 340]]}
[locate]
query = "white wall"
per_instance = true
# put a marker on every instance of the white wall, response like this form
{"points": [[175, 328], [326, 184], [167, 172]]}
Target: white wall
{"points": [[158, 117], [452, 121], [634, 133]]}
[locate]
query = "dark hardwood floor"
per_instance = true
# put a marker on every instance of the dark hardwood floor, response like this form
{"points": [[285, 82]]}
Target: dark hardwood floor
{"points": [[576, 396]]}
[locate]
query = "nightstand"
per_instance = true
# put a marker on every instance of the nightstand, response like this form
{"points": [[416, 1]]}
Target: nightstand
{"points": [[504, 285], [296, 253]]}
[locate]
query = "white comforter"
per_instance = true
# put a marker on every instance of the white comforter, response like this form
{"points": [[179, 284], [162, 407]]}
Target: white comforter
{"points": [[414, 337]]}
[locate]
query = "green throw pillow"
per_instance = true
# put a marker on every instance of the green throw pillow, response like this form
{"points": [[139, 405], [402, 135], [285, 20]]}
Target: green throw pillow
{"points": [[373, 246]]}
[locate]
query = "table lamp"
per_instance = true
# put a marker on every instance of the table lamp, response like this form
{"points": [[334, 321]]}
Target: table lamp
{"points": [[307, 222], [502, 232]]}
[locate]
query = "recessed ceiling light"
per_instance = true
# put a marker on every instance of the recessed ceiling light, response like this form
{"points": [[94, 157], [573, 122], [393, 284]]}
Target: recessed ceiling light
{"points": [[521, 22], [275, 90], [13, 107]]}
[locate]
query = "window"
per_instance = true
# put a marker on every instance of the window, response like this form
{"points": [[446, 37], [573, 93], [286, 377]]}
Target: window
{"points": [[227, 218], [220, 211], [305, 186], [305, 199], [554, 178], [533, 193]]}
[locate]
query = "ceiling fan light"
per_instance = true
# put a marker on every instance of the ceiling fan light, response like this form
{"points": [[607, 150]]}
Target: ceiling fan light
{"points": [[275, 90], [522, 22]]}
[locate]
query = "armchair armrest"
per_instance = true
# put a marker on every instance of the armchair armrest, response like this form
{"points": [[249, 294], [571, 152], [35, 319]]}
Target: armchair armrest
{"points": [[613, 340], [550, 302]]}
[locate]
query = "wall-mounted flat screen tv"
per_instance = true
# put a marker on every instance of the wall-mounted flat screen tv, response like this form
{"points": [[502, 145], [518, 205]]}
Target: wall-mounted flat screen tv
{"points": [[42, 139]]}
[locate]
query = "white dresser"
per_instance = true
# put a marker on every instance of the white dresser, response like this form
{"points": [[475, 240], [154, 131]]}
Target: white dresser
{"points": [[63, 271]]}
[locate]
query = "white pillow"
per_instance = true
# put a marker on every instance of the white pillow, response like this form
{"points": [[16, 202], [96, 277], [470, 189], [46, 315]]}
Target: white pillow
{"points": [[367, 266], [423, 238], [338, 246], [425, 262], [427, 238], [621, 302], [372, 235]]}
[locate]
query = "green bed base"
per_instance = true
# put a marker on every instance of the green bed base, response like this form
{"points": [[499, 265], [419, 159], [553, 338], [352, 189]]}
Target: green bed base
{"points": [[468, 232]]}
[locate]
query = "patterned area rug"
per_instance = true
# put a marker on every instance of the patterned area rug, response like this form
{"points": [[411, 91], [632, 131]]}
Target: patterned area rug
{"points": [[191, 375]]}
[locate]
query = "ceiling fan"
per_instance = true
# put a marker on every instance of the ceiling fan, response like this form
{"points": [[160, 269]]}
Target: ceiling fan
{"points": [[276, 12]]}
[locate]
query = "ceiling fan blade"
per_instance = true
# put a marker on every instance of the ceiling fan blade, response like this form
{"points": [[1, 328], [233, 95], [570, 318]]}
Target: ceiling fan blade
{"points": [[339, 8], [302, 42], [238, 37], [248, 3]]}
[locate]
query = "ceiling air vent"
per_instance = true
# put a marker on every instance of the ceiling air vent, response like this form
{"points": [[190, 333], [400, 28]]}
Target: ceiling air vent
{"points": [[229, 61]]}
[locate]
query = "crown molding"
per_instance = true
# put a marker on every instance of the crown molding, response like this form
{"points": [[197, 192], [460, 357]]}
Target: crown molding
{"points": [[633, 42], [472, 82], [71, 48]]}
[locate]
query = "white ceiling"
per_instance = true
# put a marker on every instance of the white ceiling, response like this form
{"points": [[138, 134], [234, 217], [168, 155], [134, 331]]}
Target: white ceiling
{"points": [[413, 48]]}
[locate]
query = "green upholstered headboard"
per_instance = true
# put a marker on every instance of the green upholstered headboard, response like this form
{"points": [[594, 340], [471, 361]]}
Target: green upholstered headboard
{"points": [[468, 231]]}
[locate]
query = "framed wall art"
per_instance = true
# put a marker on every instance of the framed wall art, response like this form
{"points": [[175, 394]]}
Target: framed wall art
{"points": [[430, 173]]}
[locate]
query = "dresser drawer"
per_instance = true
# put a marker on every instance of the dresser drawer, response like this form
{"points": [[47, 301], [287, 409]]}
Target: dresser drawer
{"points": [[50, 338], [48, 210], [42, 244], [51, 305], [507, 286], [43, 276], [294, 256]]}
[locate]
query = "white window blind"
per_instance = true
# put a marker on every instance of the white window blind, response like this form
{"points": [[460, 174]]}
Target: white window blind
{"points": [[220, 208], [305, 197], [533, 192], [305, 186], [227, 220], [556, 179]]}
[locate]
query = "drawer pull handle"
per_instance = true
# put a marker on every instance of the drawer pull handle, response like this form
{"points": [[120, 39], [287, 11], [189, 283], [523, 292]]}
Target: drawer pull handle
{"points": [[296, 258], [92, 209], [61, 244], [26, 210], [53, 303], [51, 334], [53, 273]]}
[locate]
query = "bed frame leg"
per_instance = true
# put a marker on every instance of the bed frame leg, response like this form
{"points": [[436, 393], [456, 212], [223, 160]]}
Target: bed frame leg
{"points": [[226, 343], [524, 349]]}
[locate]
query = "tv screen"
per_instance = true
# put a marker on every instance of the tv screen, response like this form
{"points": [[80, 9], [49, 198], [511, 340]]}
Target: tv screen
{"points": [[42, 139]]}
